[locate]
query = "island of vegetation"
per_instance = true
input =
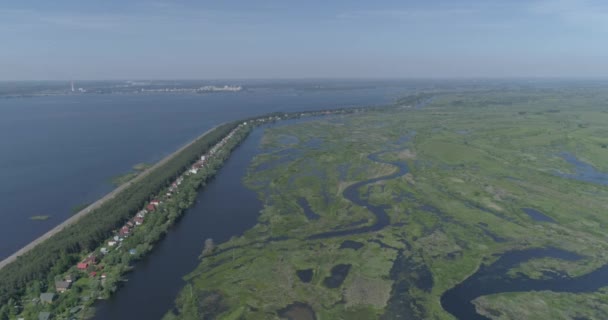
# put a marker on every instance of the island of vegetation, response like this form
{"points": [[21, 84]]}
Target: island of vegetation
{"points": [[472, 205], [40, 217], [63, 274]]}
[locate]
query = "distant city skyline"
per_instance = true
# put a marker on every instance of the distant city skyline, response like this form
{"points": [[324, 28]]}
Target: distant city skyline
{"points": [[114, 40]]}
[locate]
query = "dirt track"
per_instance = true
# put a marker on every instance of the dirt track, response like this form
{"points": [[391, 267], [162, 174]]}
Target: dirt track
{"points": [[73, 219]]}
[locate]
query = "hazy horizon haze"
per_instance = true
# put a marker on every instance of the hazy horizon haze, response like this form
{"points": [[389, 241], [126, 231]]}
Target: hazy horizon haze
{"points": [[117, 40]]}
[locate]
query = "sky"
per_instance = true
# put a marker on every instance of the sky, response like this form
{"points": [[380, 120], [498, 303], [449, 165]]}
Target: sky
{"points": [[226, 39]]}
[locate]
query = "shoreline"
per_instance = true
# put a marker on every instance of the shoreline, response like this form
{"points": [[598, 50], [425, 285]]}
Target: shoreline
{"points": [[98, 203]]}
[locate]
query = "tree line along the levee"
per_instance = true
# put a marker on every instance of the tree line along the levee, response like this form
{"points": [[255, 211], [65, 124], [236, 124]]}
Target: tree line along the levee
{"points": [[56, 254]]}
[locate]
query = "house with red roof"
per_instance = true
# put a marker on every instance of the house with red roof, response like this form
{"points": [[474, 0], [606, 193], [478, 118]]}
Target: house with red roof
{"points": [[124, 231], [86, 263]]}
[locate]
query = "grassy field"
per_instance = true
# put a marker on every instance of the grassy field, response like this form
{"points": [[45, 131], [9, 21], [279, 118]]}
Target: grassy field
{"points": [[475, 160]]}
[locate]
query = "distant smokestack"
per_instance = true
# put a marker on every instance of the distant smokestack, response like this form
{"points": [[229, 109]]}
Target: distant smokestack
{"points": [[72, 82]]}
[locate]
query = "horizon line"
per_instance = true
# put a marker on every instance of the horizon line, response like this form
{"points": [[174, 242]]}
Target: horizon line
{"points": [[322, 78]]}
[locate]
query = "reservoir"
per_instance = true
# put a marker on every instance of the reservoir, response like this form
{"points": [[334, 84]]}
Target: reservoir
{"points": [[60, 152]]}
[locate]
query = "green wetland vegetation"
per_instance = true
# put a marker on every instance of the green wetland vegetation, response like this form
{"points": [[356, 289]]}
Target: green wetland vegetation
{"points": [[40, 217], [449, 187]]}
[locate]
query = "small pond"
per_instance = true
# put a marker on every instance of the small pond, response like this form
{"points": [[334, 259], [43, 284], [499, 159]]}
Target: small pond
{"points": [[298, 311], [350, 244], [338, 274], [583, 170], [305, 275], [537, 215]]}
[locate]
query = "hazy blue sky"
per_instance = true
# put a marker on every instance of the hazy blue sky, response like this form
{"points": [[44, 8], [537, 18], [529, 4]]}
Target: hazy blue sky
{"points": [[118, 39]]}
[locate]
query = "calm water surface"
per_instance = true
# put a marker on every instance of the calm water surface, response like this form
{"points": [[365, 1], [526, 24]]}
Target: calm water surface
{"points": [[60, 152], [584, 171]]}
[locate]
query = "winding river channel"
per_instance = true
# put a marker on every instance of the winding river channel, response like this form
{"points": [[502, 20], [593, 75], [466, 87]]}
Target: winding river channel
{"points": [[493, 279], [352, 194], [487, 280]]}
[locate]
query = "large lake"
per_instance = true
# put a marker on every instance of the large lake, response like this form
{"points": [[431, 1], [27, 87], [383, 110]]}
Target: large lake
{"points": [[59, 152]]}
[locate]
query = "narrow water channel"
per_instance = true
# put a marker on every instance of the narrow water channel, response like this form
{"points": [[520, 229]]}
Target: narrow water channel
{"points": [[379, 211], [223, 209], [494, 279]]}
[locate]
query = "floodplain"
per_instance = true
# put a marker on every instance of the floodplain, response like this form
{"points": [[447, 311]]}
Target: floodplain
{"points": [[475, 205]]}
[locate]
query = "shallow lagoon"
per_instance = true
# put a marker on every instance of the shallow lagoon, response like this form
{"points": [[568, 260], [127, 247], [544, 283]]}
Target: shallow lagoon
{"points": [[583, 170]]}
